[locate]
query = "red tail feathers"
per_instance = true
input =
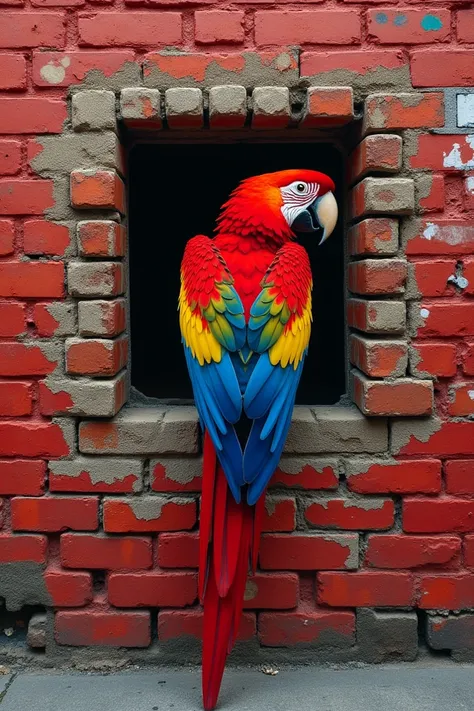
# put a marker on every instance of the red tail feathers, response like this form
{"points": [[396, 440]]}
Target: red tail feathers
{"points": [[228, 547]]}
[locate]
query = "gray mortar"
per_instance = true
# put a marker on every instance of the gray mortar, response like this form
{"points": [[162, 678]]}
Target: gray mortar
{"points": [[375, 119], [414, 360], [423, 184], [180, 470], [91, 279], [457, 632], [227, 101], [148, 508], [65, 314], [295, 465], [91, 318], [183, 102], [271, 101], [367, 503], [420, 429], [128, 75], [415, 318], [61, 210], [349, 541], [67, 152], [335, 429], [131, 104], [93, 110], [91, 398], [380, 79], [272, 501], [52, 350], [410, 147], [106, 470], [22, 583], [451, 110], [387, 636], [278, 72], [69, 430], [411, 289], [390, 317]]}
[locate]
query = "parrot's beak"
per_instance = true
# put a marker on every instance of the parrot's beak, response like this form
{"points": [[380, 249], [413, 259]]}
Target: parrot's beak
{"points": [[326, 212], [320, 215]]}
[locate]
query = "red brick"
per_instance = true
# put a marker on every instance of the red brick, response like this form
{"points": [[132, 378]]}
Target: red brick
{"points": [[468, 273], [101, 239], [96, 357], [421, 476], [445, 515], [7, 237], [101, 628], [83, 482], [459, 475], [432, 277], [446, 592], [174, 624], [384, 317], [396, 111], [272, 591], [152, 589], [10, 157], [461, 400], [469, 192], [377, 153], [25, 197], [12, 71], [454, 67], [164, 478], [15, 400], [468, 358], [378, 359], [451, 438], [400, 551], [307, 27], [441, 237], [358, 61], [52, 514], [17, 548], [43, 319], [32, 280], [465, 25], [406, 26], [32, 439], [306, 552], [446, 319], [32, 29], [68, 589], [216, 26], [285, 629], [328, 106], [104, 552], [22, 477], [435, 199], [377, 276], [449, 153], [12, 319], [66, 68], [365, 589], [100, 188], [42, 237], [139, 29], [22, 359], [396, 397], [469, 551], [122, 516], [305, 474], [178, 550], [351, 515], [279, 514], [438, 359], [374, 236]]}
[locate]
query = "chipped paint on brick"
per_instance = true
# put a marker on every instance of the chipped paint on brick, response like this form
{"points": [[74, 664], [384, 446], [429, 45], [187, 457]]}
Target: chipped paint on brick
{"points": [[420, 429]]}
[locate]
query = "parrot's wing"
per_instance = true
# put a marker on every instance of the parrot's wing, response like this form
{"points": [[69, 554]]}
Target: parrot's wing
{"points": [[279, 329], [212, 323]]}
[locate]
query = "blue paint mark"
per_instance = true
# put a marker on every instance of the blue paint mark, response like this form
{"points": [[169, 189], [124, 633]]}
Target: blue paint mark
{"points": [[431, 23], [381, 18], [400, 20]]}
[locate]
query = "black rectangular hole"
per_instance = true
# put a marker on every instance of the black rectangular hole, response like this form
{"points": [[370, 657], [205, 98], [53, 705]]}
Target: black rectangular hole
{"points": [[175, 192]]}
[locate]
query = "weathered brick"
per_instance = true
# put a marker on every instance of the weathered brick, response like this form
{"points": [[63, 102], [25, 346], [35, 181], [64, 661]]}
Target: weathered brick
{"points": [[373, 277], [148, 513], [32, 280], [54, 514], [34, 439], [461, 400], [271, 591], [55, 318], [377, 153], [455, 67], [97, 189], [451, 632], [142, 106], [184, 108], [468, 358], [174, 624], [44, 237], [379, 358], [401, 551], [279, 514], [426, 237], [388, 112], [359, 62], [22, 477], [444, 515], [442, 319], [105, 552], [37, 627], [102, 628], [25, 197], [430, 192], [433, 437], [446, 592], [387, 636], [275, 27], [32, 29], [129, 29], [306, 473], [328, 106], [18, 359], [395, 397], [392, 196], [93, 398], [285, 629], [95, 279], [214, 26], [117, 68], [374, 236], [378, 317], [330, 551], [421, 476], [96, 357], [68, 589], [152, 589], [351, 514], [430, 278], [93, 110], [176, 474], [101, 318], [96, 474], [459, 477], [271, 107], [409, 25], [227, 106], [365, 589]]}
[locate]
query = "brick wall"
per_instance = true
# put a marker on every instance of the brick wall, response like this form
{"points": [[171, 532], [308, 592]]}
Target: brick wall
{"points": [[370, 517]]}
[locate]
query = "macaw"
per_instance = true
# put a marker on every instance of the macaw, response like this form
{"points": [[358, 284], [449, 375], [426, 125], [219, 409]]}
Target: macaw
{"points": [[245, 320]]}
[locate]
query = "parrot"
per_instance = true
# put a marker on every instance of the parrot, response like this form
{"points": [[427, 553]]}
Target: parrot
{"points": [[245, 321]]}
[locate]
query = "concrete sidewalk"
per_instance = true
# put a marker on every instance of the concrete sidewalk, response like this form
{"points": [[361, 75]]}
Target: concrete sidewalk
{"points": [[436, 687]]}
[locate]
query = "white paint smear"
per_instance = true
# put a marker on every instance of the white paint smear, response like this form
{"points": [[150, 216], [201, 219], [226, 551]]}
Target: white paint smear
{"points": [[454, 160], [424, 313]]}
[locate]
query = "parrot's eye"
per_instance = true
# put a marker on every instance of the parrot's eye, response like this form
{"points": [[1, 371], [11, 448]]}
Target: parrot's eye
{"points": [[300, 187]]}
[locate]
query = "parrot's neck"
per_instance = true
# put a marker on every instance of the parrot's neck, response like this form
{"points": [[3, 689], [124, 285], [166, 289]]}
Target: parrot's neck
{"points": [[247, 219], [245, 244]]}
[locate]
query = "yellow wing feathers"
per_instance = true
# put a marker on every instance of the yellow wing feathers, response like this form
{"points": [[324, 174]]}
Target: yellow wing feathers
{"points": [[293, 342]]}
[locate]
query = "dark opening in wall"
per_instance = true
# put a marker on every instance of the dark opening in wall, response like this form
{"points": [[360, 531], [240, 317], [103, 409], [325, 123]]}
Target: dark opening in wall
{"points": [[176, 191]]}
